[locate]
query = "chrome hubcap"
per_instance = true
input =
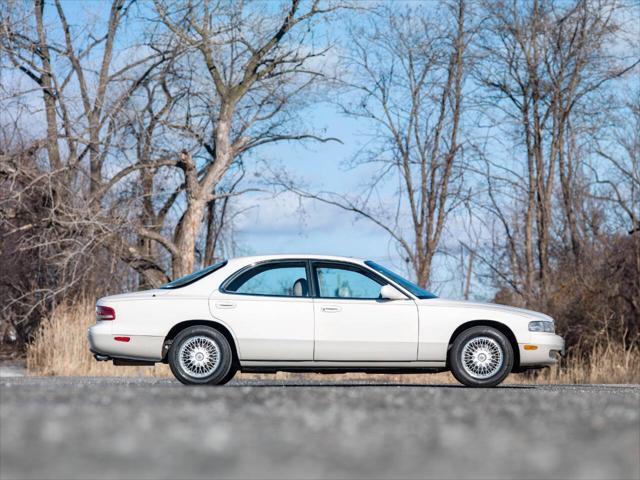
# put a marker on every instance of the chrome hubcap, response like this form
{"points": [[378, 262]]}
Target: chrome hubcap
{"points": [[199, 356], [482, 357]]}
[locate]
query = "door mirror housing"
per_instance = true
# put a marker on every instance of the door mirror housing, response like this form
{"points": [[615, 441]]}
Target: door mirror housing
{"points": [[389, 292]]}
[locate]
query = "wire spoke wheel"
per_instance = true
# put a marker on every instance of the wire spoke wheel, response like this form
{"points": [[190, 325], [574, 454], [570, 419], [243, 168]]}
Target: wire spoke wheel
{"points": [[199, 356], [482, 357]]}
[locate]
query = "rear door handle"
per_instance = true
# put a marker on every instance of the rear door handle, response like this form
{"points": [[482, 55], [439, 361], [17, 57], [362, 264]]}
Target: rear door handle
{"points": [[225, 305], [331, 309]]}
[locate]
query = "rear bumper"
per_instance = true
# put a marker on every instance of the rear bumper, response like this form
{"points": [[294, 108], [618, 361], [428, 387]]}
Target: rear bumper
{"points": [[542, 349], [140, 347], [99, 336]]}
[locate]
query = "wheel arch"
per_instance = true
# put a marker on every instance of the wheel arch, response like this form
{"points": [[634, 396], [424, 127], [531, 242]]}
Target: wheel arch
{"points": [[488, 323], [178, 327]]}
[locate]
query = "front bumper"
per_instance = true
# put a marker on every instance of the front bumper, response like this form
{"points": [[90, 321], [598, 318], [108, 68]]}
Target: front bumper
{"points": [[542, 349]]}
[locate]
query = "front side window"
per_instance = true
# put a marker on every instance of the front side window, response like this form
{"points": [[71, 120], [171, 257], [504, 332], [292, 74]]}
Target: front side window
{"points": [[273, 279], [339, 282]]}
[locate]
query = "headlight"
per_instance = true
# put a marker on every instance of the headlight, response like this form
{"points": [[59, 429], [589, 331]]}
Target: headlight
{"points": [[540, 326]]}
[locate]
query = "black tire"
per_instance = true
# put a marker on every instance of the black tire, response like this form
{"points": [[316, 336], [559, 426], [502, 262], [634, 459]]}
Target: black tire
{"points": [[232, 373], [225, 361], [496, 340]]}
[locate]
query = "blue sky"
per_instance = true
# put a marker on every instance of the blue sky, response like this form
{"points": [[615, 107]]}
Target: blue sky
{"points": [[280, 225]]}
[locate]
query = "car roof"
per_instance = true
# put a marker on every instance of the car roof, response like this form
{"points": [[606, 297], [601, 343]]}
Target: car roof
{"points": [[235, 263], [302, 256]]}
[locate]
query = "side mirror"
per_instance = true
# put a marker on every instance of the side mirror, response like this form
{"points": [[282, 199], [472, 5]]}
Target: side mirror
{"points": [[389, 292]]}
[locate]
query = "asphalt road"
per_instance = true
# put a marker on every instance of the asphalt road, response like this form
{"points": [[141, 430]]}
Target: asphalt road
{"points": [[154, 429]]}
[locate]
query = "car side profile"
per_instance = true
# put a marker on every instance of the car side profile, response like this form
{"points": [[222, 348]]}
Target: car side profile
{"points": [[316, 314]]}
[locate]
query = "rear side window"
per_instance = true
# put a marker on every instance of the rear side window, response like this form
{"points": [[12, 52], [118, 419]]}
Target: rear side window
{"points": [[272, 279], [194, 277]]}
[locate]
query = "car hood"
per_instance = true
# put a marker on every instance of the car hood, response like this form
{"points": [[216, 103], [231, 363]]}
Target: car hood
{"points": [[491, 307]]}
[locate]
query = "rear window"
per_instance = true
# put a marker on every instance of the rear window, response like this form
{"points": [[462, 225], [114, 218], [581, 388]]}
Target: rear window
{"points": [[194, 277]]}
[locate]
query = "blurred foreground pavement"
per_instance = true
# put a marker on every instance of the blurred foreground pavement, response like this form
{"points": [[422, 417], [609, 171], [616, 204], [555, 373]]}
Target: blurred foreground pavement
{"points": [[94, 428]]}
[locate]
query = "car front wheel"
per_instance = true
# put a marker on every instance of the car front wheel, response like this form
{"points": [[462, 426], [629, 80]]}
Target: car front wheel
{"points": [[481, 357], [201, 355]]}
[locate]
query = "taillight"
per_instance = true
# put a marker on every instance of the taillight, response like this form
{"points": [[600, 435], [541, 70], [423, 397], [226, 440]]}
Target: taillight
{"points": [[105, 313]]}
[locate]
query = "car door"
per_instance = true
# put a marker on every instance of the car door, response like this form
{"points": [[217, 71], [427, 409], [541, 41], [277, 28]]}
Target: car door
{"points": [[270, 310], [353, 324]]}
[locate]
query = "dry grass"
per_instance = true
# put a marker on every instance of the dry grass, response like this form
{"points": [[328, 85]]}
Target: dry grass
{"points": [[60, 348], [607, 362]]}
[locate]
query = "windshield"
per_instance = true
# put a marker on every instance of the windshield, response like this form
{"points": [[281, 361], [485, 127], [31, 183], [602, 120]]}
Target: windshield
{"points": [[403, 282], [194, 277]]}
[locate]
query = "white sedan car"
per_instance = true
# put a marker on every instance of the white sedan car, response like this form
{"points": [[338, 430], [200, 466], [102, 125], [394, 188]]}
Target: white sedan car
{"points": [[316, 314]]}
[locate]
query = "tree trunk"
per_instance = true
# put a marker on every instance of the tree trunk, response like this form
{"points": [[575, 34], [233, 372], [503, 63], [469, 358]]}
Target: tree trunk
{"points": [[212, 234], [423, 274], [569, 195], [467, 282], [199, 192], [48, 92], [184, 262]]}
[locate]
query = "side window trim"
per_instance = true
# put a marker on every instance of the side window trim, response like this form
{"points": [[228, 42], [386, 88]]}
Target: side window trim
{"points": [[312, 285], [315, 264], [314, 290], [247, 268]]}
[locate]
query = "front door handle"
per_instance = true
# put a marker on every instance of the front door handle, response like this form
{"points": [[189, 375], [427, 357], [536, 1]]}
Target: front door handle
{"points": [[331, 309], [225, 305]]}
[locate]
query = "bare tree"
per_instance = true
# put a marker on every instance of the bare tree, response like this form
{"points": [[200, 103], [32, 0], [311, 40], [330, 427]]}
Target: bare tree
{"points": [[405, 77], [543, 64], [80, 104], [242, 72], [252, 72], [621, 154], [619, 186]]}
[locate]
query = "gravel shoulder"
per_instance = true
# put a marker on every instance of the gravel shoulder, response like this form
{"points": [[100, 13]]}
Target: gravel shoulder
{"points": [[96, 428]]}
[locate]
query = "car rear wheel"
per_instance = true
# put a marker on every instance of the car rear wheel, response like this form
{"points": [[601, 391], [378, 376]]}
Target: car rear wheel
{"points": [[201, 355], [232, 373], [481, 357]]}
